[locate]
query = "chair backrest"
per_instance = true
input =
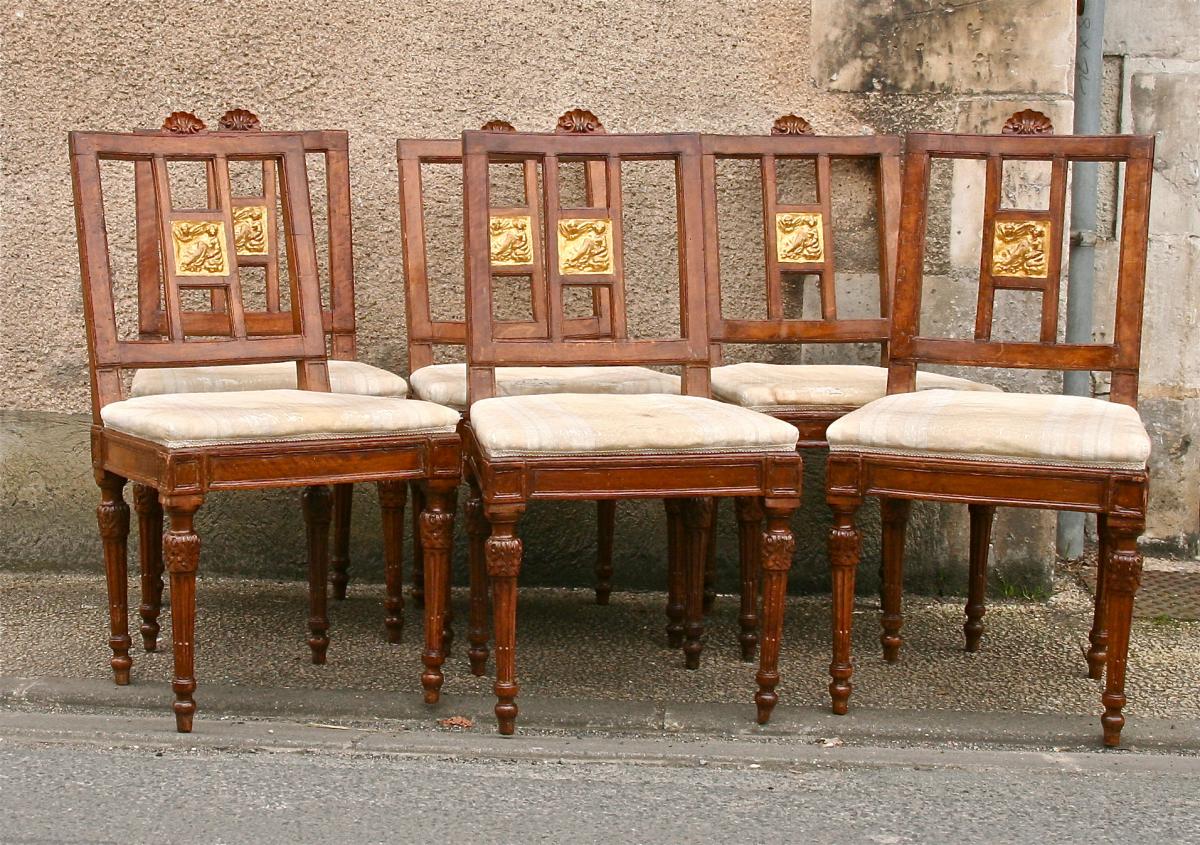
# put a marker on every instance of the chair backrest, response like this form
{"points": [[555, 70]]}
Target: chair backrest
{"points": [[1022, 250], [515, 249], [798, 238], [199, 245], [580, 247], [256, 236]]}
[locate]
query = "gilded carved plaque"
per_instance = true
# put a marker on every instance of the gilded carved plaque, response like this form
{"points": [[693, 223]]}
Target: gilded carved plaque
{"points": [[250, 229], [1020, 247], [511, 240], [585, 246], [199, 248], [799, 237]]}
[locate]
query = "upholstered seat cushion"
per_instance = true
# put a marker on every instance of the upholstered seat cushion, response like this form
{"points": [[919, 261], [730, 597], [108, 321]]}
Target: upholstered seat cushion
{"points": [[446, 384], [997, 427], [179, 420], [775, 387], [590, 424], [344, 377]]}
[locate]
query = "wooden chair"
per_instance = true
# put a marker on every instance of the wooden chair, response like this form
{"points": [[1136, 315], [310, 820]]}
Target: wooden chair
{"points": [[184, 445], [347, 375], [799, 244], [989, 449], [686, 448], [515, 252]]}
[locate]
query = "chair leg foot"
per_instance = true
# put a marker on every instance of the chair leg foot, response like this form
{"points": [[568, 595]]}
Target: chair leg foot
{"points": [[981, 539], [894, 513], [339, 561], [318, 503]]}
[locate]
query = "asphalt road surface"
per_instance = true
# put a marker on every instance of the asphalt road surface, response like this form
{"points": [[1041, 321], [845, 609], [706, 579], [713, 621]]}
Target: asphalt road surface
{"points": [[89, 783]]}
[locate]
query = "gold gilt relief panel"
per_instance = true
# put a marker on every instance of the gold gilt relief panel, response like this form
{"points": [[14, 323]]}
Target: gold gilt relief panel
{"points": [[799, 237], [250, 229], [199, 247], [1020, 248], [511, 240], [585, 246]]}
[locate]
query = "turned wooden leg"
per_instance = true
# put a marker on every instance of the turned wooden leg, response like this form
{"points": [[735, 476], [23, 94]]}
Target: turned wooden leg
{"points": [[181, 555], [150, 532], [710, 558], [845, 548], [447, 584], [1097, 653], [437, 539], [418, 558], [392, 495], [981, 540], [1123, 575], [477, 628], [606, 521], [894, 513], [112, 514], [697, 519], [749, 519], [318, 508], [502, 552], [339, 562], [676, 579], [778, 546]]}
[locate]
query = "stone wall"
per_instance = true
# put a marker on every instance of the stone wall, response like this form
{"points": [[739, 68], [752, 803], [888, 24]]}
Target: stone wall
{"points": [[389, 69]]}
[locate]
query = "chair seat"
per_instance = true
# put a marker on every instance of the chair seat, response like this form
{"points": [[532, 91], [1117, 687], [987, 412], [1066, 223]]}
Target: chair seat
{"points": [[997, 427], [344, 377], [446, 384], [590, 424], [179, 420], [772, 388]]}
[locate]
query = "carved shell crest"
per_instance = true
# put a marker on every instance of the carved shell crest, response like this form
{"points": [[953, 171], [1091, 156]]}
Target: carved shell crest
{"points": [[1028, 122], [183, 123], [579, 122], [791, 124], [240, 120], [498, 126]]}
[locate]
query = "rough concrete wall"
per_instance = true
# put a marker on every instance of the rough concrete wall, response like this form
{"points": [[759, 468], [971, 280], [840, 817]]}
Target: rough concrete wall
{"points": [[386, 69], [1154, 88]]}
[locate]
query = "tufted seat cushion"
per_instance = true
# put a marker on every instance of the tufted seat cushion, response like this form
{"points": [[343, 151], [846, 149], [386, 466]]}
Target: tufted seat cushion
{"points": [[778, 387], [589, 424], [446, 384], [997, 427], [178, 420], [344, 377]]}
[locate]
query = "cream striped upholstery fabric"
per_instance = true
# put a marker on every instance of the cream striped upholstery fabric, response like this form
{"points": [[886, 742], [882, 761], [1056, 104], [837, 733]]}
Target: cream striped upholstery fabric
{"points": [[998, 427], [344, 377], [446, 384], [778, 387], [178, 420], [580, 423]]}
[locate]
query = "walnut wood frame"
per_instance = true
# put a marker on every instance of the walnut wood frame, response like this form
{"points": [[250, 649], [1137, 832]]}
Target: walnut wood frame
{"points": [[501, 488], [1117, 497], [183, 476], [425, 334]]}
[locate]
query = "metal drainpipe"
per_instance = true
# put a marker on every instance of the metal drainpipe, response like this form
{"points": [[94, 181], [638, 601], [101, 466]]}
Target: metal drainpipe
{"points": [[1081, 270]]}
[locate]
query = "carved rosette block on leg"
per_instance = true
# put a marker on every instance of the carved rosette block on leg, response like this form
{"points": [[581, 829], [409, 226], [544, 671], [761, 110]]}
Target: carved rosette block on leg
{"points": [[477, 630], [894, 514], [749, 519], [697, 519], [606, 521], [1097, 654], [502, 552], [676, 586], [845, 547], [339, 561], [112, 515], [318, 511], [392, 496], [437, 540], [181, 555], [1123, 576], [778, 547], [150, 532], [981, 541]]}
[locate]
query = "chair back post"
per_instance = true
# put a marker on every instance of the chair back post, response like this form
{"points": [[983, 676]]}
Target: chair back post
{"points": [[798, 238], [1022, 250], [582, 246], [199, 249]]}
